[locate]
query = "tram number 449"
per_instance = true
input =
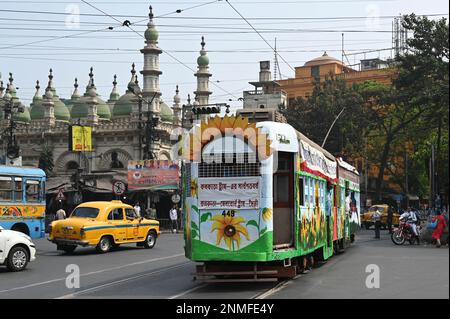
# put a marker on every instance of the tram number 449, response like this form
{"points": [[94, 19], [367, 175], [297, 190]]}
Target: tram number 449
{"points": [[229, 213]]}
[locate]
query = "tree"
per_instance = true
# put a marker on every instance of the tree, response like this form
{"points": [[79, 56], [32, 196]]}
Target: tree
{"points": [[313, 116], [46, 159], [423, 80]]}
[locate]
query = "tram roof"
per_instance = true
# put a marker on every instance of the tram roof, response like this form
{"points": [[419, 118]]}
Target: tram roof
{"points": [[21, 171], [303, 138]]}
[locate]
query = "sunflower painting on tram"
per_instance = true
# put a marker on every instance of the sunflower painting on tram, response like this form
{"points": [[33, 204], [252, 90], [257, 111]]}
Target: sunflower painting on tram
{"points": [[229, 229]]}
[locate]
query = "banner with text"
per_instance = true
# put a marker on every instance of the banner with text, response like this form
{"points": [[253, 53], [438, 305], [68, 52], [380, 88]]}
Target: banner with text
{"points": [[229, 193], [153, 174]]}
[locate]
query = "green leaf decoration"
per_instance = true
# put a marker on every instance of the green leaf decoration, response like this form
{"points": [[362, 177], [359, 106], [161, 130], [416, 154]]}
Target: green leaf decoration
{"points": [[193, 233], [194, 226], [205, 217], [253, 223], [194, 208], [263, 231]]}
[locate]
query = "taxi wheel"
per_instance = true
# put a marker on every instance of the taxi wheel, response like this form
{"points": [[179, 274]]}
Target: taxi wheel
{"points": [[17, 259], [104, 245], [150, 240]]}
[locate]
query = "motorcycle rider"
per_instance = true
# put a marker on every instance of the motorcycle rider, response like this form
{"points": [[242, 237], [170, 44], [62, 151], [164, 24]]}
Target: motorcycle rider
{"points": [[411, 220]]}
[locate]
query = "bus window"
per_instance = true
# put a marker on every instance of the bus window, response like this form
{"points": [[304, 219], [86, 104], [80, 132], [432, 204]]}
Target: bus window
{"points": [[33, 191], [18, 192], [5, 189]]}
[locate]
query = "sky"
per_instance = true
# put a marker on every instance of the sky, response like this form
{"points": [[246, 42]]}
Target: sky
{"points": [[70, 36]]}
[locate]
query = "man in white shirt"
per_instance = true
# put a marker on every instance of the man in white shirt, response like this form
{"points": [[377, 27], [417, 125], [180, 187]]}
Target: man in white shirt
{"points": [[174, 218], [137, 209], [60, 214]]}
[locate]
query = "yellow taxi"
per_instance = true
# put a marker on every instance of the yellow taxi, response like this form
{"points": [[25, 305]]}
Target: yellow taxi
{"points": [[104, 225], [366, 218]]}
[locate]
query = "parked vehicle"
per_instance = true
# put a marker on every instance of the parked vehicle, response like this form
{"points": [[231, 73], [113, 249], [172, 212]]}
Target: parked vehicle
{"points": [[366, 218], [104, 225], [22, 200], [16, 249], [403, 233]]}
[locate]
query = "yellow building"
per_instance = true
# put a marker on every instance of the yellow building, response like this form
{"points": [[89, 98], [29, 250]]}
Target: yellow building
{"points": [[370, 70], [303, 83]]}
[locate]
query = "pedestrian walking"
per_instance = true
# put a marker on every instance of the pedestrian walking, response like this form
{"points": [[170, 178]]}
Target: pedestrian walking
{"points": [[137, 209], [60, 214], [439, 230], [376, 217], [173, 214]]}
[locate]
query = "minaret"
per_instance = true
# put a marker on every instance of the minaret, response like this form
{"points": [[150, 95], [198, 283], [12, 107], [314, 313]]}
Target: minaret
{"points": [[151, 70], [49, 105], [92, 101], [202, 94], [187, 116], [75, 94], [176, 109]]}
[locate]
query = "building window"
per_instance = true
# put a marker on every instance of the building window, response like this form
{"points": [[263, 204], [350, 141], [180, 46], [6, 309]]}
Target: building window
{"points": [[315, 71]]}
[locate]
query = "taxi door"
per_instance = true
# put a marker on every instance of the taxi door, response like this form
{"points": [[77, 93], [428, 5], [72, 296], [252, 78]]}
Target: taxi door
{"points": [[117, 223], [132, 224]]}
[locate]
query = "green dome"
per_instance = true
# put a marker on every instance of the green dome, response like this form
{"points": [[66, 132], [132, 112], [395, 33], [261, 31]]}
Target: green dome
{"points": [[166, 113], [61, 111], [203, 60], [103, 110], [79, 108], [36, 109], [23, 117], [124, 105], [151, 34]]}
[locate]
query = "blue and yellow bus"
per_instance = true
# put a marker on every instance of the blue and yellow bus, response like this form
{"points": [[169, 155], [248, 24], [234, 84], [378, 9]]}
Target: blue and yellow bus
{"points": [[22, 200]]}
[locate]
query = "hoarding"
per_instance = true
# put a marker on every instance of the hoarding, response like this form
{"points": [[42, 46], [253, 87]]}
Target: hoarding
{"points": [[80, 138], [153, 174]]}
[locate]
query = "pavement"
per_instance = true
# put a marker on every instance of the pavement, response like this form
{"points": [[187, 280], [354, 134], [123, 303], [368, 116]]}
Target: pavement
{"points": [[163, 272]]}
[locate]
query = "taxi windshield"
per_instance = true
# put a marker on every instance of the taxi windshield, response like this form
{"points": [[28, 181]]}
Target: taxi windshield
{"points": [[85, 212], [374, 208]]}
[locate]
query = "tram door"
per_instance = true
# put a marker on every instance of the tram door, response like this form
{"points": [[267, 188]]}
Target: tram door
{"points": [[283, 201]]}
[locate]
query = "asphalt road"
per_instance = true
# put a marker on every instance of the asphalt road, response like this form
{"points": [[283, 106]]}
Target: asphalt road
{"points": [[163, 272]]}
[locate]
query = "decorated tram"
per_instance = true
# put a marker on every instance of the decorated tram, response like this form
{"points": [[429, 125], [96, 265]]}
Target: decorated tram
{"points": [[261, 200]]}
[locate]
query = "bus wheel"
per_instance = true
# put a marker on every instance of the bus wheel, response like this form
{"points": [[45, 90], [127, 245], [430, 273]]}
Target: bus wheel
{"points": [[21, 228]]}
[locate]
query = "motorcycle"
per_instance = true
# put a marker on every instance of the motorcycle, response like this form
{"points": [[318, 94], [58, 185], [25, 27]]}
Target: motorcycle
{"points": [[404, 233]]}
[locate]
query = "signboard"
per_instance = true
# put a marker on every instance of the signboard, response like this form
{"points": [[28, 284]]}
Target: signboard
{"points": [[229, 193], [80, 138], [153, 174], [119, 188], [315, 161], [60, 195]]}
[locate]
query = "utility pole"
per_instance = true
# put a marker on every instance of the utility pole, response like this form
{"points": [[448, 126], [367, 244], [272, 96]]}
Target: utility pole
{"points": [[332, 124]]}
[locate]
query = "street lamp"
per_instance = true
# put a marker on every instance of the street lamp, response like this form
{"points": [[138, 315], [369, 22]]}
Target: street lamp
{"points": [[151, 122], [10, 108]]}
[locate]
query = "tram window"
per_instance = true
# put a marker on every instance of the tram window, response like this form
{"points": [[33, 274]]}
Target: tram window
{"points": [[311, 191], [18, 192], [5, 189], [32, 191], [301, 185]]}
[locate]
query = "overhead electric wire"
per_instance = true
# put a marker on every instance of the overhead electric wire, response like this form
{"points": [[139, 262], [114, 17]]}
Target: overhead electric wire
{"points": [[218, 18], [170, 55], [275, 51]]}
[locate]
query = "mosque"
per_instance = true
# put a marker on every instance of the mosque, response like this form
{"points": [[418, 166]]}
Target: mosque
{"points": [[116, 123]]}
